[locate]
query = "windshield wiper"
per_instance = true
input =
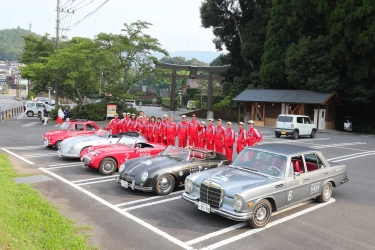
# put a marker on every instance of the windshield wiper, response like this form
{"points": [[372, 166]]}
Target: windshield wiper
{"points": [[252, 170]]}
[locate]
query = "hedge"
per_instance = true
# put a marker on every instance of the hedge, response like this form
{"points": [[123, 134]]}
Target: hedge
{"points": [[166, 101]]}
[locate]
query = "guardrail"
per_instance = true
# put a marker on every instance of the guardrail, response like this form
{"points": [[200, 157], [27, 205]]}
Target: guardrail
{"points": [[7, 113]]}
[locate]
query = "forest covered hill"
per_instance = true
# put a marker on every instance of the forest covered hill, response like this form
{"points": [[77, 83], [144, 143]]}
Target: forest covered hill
{"points": [[11, 43]]}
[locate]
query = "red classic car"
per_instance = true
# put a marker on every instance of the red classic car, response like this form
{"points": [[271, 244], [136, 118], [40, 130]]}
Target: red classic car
{"points": [[108, 158], [72, 128]]}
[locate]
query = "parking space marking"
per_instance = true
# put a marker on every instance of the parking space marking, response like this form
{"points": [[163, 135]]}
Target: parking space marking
{"points": [[39, 155], [242, 224], [94, 182], [121, 211], [65, 166], [353, 157], [97, 178], [26, 147], [19, 157], [345, 156], [29, 124], [269, 225], [21, 115], [151, 204], [147, 199], [338, 145]]}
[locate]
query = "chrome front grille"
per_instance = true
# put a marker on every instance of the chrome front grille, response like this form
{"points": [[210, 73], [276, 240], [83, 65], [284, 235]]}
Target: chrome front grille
{"points": [[86, 160], [211, 193]]}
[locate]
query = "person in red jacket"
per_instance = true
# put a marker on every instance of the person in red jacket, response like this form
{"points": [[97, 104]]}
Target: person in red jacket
{"points": [[114, 125], [146, 121], [253, 136], [151, 129], [141, 115], [132, 124], [242, 138], [171, 132], [182, 131], [202, 135], [229, 138], [157, 130], [210, 135], [139, 124], [163, 124], [124, 123], [193, 130], [219, 137]]}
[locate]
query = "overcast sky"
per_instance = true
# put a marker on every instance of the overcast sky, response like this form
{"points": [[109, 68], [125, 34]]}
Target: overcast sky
{"points": [[176, 23]]}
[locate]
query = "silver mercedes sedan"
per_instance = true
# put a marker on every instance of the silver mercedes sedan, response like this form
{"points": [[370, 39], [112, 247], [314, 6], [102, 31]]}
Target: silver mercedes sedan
{"points": [[264, 179]]}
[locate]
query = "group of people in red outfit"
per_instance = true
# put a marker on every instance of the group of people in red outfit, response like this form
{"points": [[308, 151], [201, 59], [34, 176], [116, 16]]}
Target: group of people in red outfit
{"points": [[190, 133]]}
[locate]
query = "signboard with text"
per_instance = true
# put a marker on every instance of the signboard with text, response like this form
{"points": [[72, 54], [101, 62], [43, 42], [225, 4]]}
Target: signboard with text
{"points": [[111, 110]]}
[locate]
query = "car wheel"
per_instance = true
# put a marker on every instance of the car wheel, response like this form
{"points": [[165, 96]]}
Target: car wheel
{"points": [[313, 133], [295, 134], [261, 214], [30, 113], [277, 134], [326, 193], [57, 144], [165, 184], [107, 166]]}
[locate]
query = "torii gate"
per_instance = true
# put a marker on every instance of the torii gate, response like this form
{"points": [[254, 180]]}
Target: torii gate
{"points": [[193, 74]]}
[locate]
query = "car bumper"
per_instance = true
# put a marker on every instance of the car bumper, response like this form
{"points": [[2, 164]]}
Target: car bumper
{"points": [[220, 211], [283, 131], [345, 180], [67, 155], [133, 186], [46, 142]]}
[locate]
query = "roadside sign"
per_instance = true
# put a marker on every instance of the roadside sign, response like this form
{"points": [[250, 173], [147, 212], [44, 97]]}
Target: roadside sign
{"points": [[111, 110]]}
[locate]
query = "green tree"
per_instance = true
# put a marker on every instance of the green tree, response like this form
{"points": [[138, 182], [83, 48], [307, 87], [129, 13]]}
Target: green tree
{"points": [[309, 65], [12, 44]]}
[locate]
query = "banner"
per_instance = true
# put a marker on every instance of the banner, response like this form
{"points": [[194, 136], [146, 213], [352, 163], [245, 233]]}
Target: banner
{"points": [[111, 110]]}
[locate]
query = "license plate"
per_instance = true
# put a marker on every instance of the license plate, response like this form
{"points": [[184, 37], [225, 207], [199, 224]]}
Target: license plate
{"points": [[283, 132], [46, 143], [124, 184], [204, 207]]}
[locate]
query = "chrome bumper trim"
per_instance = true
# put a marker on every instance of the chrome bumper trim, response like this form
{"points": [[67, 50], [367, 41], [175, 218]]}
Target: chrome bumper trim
{"points": [[345, 180]]}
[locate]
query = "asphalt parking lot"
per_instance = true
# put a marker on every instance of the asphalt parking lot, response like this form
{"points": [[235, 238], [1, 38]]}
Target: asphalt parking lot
{"points": [[127, 219]]}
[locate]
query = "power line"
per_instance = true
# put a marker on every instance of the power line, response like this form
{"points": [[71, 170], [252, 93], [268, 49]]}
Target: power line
{"points": [[88, 15]]}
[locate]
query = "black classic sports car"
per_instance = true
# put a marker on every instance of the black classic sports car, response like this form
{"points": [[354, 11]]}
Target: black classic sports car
{"points": [[162, 172]]}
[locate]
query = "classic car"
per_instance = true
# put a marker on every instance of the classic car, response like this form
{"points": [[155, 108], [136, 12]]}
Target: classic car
{"points": [[107, 158], [161, 173], [264, 179], [72, 147], [69, 129]]}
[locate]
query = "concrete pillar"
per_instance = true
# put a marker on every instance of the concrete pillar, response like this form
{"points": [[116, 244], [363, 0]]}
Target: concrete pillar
{"points": [[173, 91], [210, 114], [247, 117], [210, 92], [172, 113]]}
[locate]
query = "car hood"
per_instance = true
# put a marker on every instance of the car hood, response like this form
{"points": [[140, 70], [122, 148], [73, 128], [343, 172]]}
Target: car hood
{"points": [[234, 180], [54, 133], [147, 164]]}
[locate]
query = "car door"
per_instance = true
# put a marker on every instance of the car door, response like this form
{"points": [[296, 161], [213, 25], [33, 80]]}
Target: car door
{"points": [[296, 183], [39, 107], [317, 173]]}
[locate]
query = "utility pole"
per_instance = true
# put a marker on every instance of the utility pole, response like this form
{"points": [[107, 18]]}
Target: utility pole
{"points": [[57, 47]]}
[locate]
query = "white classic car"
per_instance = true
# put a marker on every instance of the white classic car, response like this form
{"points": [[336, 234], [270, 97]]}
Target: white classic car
{"points": [[72, 147]]}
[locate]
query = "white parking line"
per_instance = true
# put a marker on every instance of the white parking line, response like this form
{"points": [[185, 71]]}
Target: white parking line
{"points": [[21, 115], [146, 199], [26, 147], [239, 225], [39, 155], [19, 157], [94, 182], [349, 158], [65, 166], [151, 204], [97, 178], [269, 225], [345, 156], [30, 124], [121, 211], [338, 145]]}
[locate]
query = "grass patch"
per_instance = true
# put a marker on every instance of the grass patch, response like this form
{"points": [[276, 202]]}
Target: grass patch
{"points": [[29, 221]]}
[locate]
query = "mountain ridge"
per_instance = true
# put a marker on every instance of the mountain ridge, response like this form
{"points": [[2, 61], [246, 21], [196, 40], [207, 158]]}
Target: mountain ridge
{"points": [[204, 56]]}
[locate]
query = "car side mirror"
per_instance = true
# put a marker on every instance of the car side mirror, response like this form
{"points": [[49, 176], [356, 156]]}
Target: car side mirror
{"points": [[296, 174], [192, 159]]}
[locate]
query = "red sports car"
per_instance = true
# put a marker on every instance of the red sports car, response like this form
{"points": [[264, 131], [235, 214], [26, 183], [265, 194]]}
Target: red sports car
{"points": [[72, 128], [108, 158]]}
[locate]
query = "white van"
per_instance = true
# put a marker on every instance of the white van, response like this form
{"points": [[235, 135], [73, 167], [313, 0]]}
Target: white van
{"points": [[33, 108], [131, 103], [294, 125]]}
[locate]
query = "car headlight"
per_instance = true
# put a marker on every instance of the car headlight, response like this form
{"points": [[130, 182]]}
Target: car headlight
{"points": [[89, 150], [122, 167], [144, 176], [72, 147], [188, 185], [237, 202], [220, 164]]}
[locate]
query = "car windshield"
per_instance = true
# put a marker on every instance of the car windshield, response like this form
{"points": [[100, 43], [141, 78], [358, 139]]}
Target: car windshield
{"points": [[264, 162], [102, 133], [177, 152], [125, 140], [64, 126]]}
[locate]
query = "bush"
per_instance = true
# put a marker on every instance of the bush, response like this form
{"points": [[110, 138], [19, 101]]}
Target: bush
{"points": [[91, 111], [166, 101], [54, 111], [225, 104]]}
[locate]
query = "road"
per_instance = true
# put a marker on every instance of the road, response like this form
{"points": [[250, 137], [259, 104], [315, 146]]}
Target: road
{"points": [[126, 219], [7, 102]]}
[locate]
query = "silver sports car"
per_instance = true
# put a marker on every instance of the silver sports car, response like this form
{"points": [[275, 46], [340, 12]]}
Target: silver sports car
{"points": [[72, 147], [262, 180]]}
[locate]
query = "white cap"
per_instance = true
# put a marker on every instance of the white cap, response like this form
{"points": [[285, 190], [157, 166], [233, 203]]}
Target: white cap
{"points": [[240, 123], [250, 122], [165, 115], [229, 123], [203, 123], [210, 120], [183, 116], [128, 113], [133, 114], [219, 120], [140, 116]]}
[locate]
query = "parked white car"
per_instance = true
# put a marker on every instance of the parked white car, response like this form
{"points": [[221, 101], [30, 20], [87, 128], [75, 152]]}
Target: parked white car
{"points": [[33, 108], [295, 125], [131, 103]]}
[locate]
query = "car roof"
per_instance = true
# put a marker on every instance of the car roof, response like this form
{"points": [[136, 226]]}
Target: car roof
{"points": [[283, 149]]}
